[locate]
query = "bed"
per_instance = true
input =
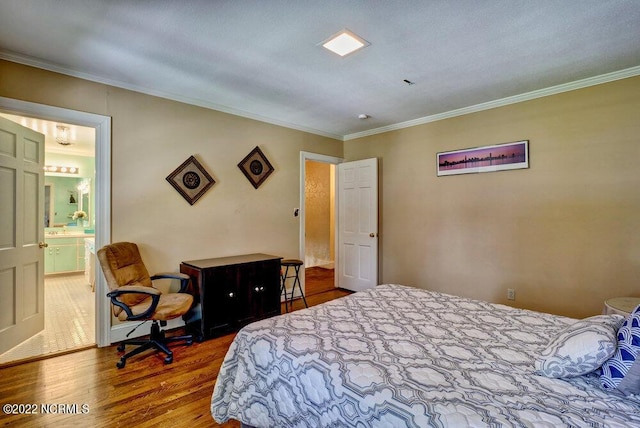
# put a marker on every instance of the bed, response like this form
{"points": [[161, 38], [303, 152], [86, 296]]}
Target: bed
{"points": [[398, 356]]}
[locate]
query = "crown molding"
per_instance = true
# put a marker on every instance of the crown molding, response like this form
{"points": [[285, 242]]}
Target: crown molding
{"points": [[553, 90], [33, 62]]}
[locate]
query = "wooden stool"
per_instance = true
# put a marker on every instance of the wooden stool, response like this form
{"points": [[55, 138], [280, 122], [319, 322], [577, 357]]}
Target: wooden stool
{"points": [[295, 263]]}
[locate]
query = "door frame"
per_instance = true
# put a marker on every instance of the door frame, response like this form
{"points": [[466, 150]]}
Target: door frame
{"points": [[102, 125], [315, 157]]}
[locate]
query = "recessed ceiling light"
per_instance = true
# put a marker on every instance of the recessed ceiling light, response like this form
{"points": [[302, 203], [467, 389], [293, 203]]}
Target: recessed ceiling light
{"points": [[344, 43]]}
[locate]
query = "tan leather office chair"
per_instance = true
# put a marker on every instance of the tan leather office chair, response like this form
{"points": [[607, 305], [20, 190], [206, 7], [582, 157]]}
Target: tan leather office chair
{"points": [[133, 298]]}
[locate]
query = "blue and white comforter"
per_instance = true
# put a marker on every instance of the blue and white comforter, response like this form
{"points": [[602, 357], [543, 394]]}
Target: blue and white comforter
{"points": [[398, 356]]}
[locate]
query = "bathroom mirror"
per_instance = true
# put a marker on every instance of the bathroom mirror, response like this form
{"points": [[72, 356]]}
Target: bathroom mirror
{"points": [[63, 197], [84, 201], [49, 209]]}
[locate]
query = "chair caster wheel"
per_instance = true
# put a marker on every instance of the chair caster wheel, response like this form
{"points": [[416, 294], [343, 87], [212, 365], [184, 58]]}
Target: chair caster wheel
{"points": [[168, 360], [121, 347], [120, 364]]}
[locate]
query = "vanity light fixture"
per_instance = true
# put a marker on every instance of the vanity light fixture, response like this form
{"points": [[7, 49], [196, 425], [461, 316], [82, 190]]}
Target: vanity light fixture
{"points": [[62, 169], [344, 43]]}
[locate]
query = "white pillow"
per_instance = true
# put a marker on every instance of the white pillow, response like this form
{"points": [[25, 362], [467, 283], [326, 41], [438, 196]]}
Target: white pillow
{"points": [[580, 348]]}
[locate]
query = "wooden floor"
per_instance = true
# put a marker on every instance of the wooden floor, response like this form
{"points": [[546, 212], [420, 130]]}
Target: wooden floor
{"points": [[318, 280], [86, 389]]}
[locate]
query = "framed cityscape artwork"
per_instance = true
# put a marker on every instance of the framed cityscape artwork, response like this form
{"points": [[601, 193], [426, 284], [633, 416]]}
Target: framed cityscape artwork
{"points": [[498, 157]]}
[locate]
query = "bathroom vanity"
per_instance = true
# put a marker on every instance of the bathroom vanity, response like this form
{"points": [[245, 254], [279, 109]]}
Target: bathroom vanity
{"points": [[65, 252]]}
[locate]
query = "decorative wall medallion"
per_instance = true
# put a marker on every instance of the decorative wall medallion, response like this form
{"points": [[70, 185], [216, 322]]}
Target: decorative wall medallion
{"points": [[256, 167], [191, 180]]}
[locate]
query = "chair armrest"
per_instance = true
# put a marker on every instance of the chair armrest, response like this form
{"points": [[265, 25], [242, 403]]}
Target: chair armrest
{"points": [[183, 277], [174, 275], [129, 289], [135, 289]]}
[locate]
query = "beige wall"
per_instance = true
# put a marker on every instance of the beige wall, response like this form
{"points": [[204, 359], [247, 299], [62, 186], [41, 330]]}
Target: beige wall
{"points": [[565, 233], [151, 137]]}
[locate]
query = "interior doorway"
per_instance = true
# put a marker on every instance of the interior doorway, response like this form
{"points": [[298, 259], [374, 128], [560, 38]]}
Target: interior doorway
{"points": [[101, 126], [318, 222], [319, 212], [69, 231]]}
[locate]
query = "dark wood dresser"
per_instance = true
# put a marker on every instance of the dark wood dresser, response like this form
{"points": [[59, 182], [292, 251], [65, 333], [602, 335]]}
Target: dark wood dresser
{"points": [[233, 292]]}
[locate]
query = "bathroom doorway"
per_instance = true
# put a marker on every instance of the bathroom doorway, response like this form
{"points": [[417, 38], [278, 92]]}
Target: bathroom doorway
{"points": [[69, 230]]}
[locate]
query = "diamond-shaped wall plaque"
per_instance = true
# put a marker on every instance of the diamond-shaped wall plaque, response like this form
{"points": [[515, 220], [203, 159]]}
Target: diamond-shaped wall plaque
{"points": [[256, 167], [191, 180]]}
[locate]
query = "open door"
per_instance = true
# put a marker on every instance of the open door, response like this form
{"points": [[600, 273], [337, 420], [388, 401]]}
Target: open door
{"points": [[358, 225], [21, 233]]}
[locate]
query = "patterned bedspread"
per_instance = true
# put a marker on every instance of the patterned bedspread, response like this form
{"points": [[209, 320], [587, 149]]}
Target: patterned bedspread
{"points": [[398, 356]]}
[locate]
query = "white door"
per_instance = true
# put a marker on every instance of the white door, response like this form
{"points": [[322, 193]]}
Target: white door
{"points": [[358, 225], [21, 232]]}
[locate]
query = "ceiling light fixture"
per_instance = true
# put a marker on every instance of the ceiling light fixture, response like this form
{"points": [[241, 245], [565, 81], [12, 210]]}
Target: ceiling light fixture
{"points": [[344, 43], [363, 116], [62, 135]]}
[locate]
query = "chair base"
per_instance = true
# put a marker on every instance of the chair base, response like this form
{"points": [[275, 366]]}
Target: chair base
{"points": [[157, 341]]}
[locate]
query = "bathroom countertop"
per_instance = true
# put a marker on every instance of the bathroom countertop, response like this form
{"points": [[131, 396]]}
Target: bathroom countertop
{"points": [[68, 235]]}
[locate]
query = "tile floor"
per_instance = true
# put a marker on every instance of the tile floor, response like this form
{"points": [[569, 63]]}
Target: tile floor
{"points": [[68, 323]]}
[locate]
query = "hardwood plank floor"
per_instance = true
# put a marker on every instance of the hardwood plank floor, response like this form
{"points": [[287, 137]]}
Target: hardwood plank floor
{"points": [[318, 280], [146, 393]]}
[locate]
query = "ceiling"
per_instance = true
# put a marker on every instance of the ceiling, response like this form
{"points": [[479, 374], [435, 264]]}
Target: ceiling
{"points": [[264, 59]]}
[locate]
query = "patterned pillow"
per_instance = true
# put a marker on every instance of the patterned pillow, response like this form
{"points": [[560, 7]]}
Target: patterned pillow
{"points": [[622, 371], [580, 348]]}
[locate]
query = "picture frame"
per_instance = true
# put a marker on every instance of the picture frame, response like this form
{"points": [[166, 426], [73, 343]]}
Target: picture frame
{"points": [[256, 167], [191, 180], [497, 157]]}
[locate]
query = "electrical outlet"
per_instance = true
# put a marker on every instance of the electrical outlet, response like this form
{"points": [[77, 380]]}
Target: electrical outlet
{"points": [[511, 294]]}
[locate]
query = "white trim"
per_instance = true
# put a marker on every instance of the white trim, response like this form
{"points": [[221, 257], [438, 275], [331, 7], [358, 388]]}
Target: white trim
{"points": [[32, 62], [103, 232], [566, 87], [102, 125]]}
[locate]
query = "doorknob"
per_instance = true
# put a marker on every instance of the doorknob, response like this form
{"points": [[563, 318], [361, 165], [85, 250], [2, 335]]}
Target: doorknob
{"points": [[43, 244], [372, 235]]}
